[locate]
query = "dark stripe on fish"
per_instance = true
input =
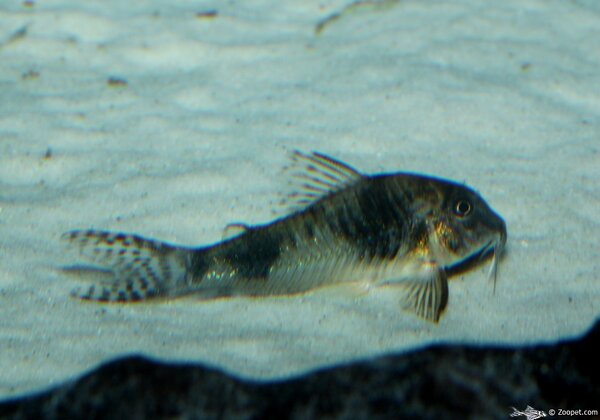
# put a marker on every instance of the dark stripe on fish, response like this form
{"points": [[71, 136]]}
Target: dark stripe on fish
{"points": [[254, 253], [377, 226]]}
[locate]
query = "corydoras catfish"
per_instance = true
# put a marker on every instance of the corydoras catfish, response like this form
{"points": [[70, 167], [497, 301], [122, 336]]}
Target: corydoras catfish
{"points": [[399, 229]]}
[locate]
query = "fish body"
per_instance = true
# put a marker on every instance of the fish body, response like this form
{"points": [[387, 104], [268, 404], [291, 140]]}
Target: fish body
{"points": [[395, 229]]}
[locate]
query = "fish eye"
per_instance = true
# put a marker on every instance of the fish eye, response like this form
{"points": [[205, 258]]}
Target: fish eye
{"points": [[462, 208]]}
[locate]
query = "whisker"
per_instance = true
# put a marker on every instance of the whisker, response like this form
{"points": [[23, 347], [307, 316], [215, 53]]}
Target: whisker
{"points": [[497, 245], [485, 250], [494, 269]]}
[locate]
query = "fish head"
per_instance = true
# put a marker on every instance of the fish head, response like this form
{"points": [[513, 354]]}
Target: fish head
{"points": [[465, 226]]}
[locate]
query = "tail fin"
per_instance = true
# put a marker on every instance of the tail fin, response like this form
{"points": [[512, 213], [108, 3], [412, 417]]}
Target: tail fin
{"points": [[141, 268]]}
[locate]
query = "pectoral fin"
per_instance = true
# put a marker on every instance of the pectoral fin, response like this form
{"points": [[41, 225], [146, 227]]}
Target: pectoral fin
{"points": [[427, 296]]}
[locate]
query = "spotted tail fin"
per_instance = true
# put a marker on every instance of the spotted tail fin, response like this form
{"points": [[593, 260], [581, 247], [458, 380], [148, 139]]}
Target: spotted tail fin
{"points": [[141, 268]]}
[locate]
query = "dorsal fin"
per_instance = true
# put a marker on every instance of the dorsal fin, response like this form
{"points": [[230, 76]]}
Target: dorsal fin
{"points": [[315, 176]]}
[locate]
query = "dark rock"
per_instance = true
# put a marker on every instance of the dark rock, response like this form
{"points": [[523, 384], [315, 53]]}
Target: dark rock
{"points": [[436, 382]]}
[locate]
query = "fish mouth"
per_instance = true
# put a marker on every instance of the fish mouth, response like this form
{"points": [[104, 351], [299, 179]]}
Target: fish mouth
{"points": [[492, 248]]}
